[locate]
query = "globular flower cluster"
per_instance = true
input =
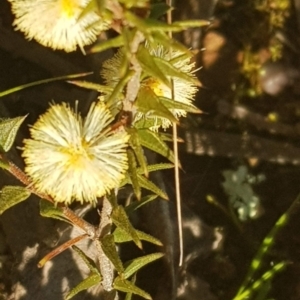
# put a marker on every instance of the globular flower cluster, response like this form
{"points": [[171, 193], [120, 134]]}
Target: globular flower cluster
{"points": [[183, 91], [75, 159], [56, 23]]}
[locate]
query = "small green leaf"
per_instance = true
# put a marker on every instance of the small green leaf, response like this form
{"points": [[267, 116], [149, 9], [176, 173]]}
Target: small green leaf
{"points": [[138, 149], [136, 21], [49, 210], [174, 104], [11, 195], [121, 236], [185, 24], [89, 8], [126, 286], [155, 25], [132, 170], [158, 9], [119, 87], [88, 282], [88, 261], [152, 168], [149, 104], [157, 167], [120, 219], [110, 43], [134, 265], [9, 129], [162, 38], [149, 185], [152, 141], [27, 85], [129, 295], [170, 70], [109, 248], [147, 62], [92, 86], [137, 204], [167, 137]]}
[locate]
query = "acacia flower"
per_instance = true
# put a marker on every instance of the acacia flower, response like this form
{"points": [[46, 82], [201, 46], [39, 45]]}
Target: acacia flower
{"points": [[55, 23], [75, 159], [184, 91]]}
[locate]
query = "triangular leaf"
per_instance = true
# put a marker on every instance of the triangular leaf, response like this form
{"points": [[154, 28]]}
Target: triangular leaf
{"points": [[110, 43], [170, 70], [120, 219], [121, 236], [9, 129], [138, 149], [136, 21], [99, 7], [132, 171], [149, 185], [149, 66], [109, 248], [149, 104], [157, 167], [174, 104], [11, 195], [119, 87], [155, 25], [88, 282], [126, 286], [89, 8], [152, 141], [158, 9], [129, 295], [49, 210], [169, 137], [134, 265], [88, 261], [137, 204], [152, 168], [162, 38]]}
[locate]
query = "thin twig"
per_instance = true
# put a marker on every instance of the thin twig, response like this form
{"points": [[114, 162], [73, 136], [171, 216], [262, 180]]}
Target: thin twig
{"points": [[60, 249], [176, 164]]}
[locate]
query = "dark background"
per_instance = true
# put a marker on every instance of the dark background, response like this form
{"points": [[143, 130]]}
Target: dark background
{"points": [[226, 139]]}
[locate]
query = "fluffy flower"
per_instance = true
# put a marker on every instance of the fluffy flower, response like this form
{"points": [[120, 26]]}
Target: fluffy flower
{"points": [[55, 24], [184, 91], [71, 158]]}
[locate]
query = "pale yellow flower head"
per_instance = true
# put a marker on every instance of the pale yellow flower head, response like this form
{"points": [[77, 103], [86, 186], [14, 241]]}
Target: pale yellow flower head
{"points": [[55, 24], [75, 159], [184, 91]]}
